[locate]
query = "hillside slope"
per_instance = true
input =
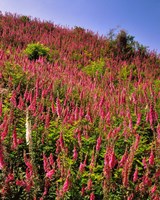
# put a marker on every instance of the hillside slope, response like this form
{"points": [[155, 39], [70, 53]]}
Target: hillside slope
{"points": [[81, 122]]}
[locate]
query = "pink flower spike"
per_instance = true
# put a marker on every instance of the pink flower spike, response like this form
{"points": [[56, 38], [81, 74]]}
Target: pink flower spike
{"points": [[92, 196], [20, 183], [5, 132], [21, 103], [89, 184], [75, 154], [138, 119], [58, 107], [9, 178], [123, 159], [50, 174], [51, 160], [135, 175], [66, 185], [98, 145], [82, 190], [130, 197], [153, 189], [46, 166], [137, 141], [151, 158], [82, 167], [2, 164], [144, 163], [112, 160]]}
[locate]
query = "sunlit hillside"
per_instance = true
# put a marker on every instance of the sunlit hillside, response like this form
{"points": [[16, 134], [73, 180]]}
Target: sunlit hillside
{"points": [[79, 114]]}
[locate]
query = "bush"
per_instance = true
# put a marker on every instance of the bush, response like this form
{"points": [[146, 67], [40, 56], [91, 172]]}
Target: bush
{"points": [[34, 51], [25, 19], [95, 68]]}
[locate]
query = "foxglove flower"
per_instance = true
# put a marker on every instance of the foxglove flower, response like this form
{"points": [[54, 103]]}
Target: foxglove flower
{"points": [[58, 107], [112, 160], [136, 142], [98, 145], [4, 132], [46, 165], [89, 184], [50, 173], [92, 196], [51, 160], [82, 167], [75, 154], [144, 163], [153, 189], [13, 98], [21, 103], [138, 119], [2, 164], [66, 185], [135, 175], [83, 190], [130, 197], [151, 158], [10, 177], [20, 183], [123, 159]]}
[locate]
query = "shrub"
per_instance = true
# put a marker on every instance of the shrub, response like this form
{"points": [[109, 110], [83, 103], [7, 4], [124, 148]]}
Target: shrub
{"points": [[34, 51], [25, 19], [95, 68]]}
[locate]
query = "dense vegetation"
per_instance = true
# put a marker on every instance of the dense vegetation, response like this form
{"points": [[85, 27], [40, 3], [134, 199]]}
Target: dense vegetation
{"points": [[79, 114]]}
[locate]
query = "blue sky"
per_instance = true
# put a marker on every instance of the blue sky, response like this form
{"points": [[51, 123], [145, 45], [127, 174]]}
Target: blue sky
{"points": [[140, 18]]}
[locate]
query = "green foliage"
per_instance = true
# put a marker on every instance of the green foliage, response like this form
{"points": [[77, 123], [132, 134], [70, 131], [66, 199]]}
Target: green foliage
{"points": [[88, 54], [156, 85], [79, 30], [15, 72], [121, 40], [53, 55], [76, 56], [25, 19], [125, 71], [35, 50], [95, 68]]}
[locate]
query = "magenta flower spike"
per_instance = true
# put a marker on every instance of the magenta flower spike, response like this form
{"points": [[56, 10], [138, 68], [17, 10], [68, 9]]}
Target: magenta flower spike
{"points": [[75, 154], [98, 145], [151, 158], [66, 185], [92, 196], [2, 164], [135, 175], [50, 173]]}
